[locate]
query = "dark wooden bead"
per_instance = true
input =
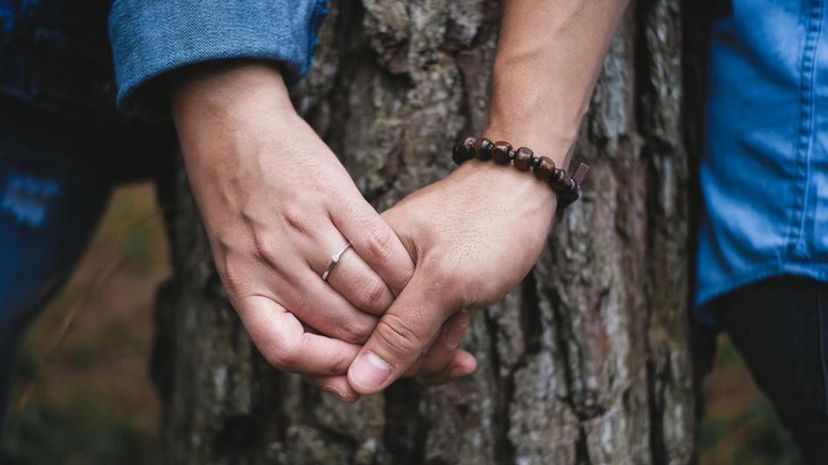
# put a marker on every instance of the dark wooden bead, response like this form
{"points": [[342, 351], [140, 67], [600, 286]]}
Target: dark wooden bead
{"points": [[524, 158], [558, 176], [575, 196], [558, 180], [483, 149], [569, 196], [564, 200], [544, 168], [500, 152], [573, 190], [537, 161], [463, 150], [567, 188]]}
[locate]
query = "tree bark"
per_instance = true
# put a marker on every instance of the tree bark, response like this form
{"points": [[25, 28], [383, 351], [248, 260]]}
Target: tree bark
{"points": [[587, 362]]}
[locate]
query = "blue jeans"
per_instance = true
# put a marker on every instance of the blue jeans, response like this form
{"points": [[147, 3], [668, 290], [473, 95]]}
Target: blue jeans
{"points": [[50, 201], [55, 179], [62, 146]]}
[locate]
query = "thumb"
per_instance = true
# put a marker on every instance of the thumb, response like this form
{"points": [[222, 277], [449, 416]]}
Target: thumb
{"points": [[402, 335]]}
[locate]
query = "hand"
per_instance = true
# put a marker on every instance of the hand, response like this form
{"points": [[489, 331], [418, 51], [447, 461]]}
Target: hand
{"points": [[277, 204], [442, 362], [474, 235]]}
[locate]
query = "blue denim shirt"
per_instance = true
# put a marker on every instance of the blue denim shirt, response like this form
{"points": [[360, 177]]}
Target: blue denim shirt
{"points": [[764, 170]]}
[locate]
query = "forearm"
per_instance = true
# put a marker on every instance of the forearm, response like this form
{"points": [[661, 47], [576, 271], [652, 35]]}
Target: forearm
{"points": [[549, 56]]}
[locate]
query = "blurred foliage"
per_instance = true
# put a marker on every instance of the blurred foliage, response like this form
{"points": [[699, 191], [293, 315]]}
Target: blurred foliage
{"points": [[87, 434], [94, 405], [740, 426], [92, 402]]}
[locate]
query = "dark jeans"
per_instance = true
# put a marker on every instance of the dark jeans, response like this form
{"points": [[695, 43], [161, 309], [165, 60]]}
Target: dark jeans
{"points": [[781, 328], [55, 178]]}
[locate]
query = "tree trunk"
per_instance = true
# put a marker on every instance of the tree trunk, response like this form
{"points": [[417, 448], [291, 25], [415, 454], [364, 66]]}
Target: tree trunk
{"points": [[587, 362]]}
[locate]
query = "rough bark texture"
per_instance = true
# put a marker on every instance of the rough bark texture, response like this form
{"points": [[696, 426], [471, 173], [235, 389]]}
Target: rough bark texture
{"points": [[586, 363]]}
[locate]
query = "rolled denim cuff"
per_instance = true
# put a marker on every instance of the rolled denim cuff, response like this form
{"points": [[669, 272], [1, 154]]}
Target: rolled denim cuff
{"points": [[151, 38]]}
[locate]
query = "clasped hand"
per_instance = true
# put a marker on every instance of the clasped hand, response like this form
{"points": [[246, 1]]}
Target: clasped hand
{"points": [[277, 203]]}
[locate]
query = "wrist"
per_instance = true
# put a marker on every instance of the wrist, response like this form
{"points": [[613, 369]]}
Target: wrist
{"points": [[229, 91], [533, 133], [229, 117], [506, 183], [225, 113], [523, 159]]}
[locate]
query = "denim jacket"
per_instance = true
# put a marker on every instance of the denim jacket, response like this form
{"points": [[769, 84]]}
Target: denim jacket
{"points": [[764, 170], [153, 37], [54, 54]]}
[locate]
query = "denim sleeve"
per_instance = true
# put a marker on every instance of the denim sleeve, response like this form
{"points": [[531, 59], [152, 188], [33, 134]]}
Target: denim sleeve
{"points": [[151, 38]]}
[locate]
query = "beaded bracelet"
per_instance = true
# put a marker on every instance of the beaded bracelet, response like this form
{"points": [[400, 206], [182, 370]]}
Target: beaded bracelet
{"points": [[568, 188]]}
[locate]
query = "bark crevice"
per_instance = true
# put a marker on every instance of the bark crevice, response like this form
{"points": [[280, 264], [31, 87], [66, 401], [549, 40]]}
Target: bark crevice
{"points": [[586, 363]]}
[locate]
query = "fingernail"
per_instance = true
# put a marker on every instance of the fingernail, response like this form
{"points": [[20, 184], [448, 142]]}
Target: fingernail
{"points": [[334, 392], [369, 371]]}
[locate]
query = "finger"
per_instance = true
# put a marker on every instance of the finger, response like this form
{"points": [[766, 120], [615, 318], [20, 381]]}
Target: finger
{"points": [[350, 276], [316, 303], [401, 336], [337, 386], [441, 352], [313, 301], [377, 244], [285, 344], [360, 285], [462, 364]]}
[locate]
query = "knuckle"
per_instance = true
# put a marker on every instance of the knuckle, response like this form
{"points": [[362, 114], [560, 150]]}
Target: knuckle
{"points": [[378, 243], [268, 251], [357, 332], [372, 296], [282, 357], [398, 335], [232, 275], [295, 218]]}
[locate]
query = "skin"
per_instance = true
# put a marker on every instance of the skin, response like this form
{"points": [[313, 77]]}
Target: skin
{"points": [[276, 204], [470, 246], [557, 70]]}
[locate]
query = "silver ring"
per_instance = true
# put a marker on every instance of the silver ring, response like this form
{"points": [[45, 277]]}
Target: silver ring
{"points": [[334, 260]]}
